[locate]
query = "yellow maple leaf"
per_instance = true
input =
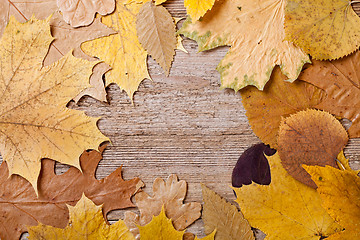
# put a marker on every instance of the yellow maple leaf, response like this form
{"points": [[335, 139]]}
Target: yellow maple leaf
{"points": [[324, 29], [197, 8], [340, 192], [122, 51], [86, 222], [34, 120], [285, 209], [254, 30], [161, 227]]}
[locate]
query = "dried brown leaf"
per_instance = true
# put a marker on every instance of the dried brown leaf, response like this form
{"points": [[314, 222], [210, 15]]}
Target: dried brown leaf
{"points": [[340, 79], [19, 206], [171, 194], [310, 137], [156, 32], [82, 12]]}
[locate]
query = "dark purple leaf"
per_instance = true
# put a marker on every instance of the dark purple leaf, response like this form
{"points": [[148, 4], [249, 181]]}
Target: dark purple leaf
{"points": [[253, 166]]}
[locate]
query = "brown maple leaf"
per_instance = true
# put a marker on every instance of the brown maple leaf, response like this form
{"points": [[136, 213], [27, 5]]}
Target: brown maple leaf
{"points": [[19, 206]]}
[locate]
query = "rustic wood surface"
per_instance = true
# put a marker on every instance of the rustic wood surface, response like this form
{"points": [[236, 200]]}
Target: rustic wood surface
{"points": [[182, 124]]}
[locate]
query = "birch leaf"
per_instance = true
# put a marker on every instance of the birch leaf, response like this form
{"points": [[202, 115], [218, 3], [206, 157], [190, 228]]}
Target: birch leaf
{"points": [[197, 8], [122, 51], [254, 30], [340, 192], [218, 214], [170, 194], [82, 12], [156, 32], [20, 207], [34, 120], [86, 222], [324, 29], [275, 208], [310, 137]]}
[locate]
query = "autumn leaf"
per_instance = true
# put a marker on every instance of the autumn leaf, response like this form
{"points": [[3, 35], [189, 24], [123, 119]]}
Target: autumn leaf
{"points": [[343, 163], [324, 29], [340, 80], [340, 192], [218, 214], [20, 207], [169, 194], [286, 208], [67, 38], [310, 137], [253, 166], [34, 120], [156, 32], [254, 30], [197, 8], [161, 227], [264, 109], [122, 51], [86, 222], [82, 12]]}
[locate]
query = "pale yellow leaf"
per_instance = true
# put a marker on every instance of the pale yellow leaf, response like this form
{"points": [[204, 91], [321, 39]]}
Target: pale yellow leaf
{"points": [[122, 51], [34, 120], [156, 32], [254, 30]]}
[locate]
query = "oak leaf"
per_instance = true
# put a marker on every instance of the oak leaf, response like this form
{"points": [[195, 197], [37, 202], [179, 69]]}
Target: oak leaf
{"points": [[67, 38], [286, 208], [310, 137], [82, 12], [161, 227], [253, 166], [264, 109], [20, 207], [156, 33], [197, 8], [34, 120], [340, 79], [122, 51], [324, 29], [340, 192], [218, 214], [254, 30], [169, 194], [86, 222]]}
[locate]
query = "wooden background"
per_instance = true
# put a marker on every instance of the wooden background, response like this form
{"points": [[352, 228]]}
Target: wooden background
{"points": [[182, 124]]}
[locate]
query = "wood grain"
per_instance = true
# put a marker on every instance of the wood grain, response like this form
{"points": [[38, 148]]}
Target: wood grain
{"points": [[182, 124]]}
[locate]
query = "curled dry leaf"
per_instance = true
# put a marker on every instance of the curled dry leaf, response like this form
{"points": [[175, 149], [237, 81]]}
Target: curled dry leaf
{"points": [[275, 208], [156, 32], [86, 222], [122, 51], [218, 214], [340, 192], [310, 137], [340, 80], [82, 12], [254, 30], [197, 8], [264, 109], [20, 207], [169, 194], [324, 29], [253, 166], [34, 120]]}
